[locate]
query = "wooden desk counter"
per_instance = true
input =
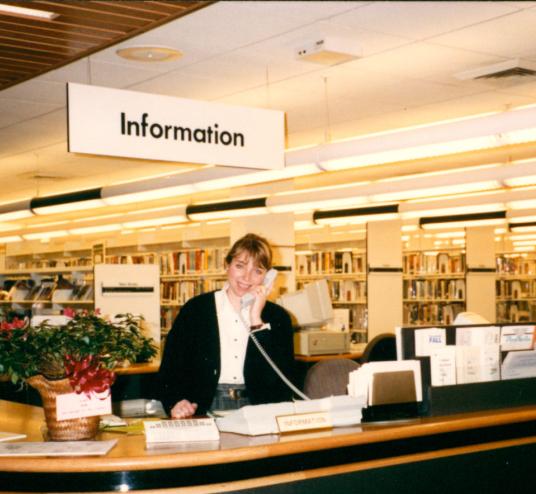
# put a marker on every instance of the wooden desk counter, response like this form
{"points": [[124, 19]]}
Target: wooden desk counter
{"points": [[338, 456]]}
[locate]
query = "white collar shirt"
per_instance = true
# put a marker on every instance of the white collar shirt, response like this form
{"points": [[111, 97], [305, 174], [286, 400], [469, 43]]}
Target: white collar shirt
{"points": [[234, 333]]}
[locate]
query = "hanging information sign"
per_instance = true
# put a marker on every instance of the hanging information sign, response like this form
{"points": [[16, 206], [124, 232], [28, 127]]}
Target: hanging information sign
{"points": [[130, 124]]}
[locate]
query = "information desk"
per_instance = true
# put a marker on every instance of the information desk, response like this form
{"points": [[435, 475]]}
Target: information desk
{"points": [[477, 452]]}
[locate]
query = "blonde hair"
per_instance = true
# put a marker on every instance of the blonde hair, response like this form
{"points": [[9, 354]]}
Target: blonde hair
{"points": [[256, 246]]}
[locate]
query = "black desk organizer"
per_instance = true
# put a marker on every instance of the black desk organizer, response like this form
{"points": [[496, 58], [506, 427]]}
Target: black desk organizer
{"points": [[460, 398]]}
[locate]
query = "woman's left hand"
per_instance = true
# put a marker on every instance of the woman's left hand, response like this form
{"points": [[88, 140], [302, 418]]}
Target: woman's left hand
{"points": [[258, 304]]}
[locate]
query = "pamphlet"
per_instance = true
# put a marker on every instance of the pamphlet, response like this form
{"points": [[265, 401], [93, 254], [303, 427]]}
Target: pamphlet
{"points": [[477, 363], [519, 364], [428, 340], [517, 338], [443, 366], [478, 335], [57, 448]]}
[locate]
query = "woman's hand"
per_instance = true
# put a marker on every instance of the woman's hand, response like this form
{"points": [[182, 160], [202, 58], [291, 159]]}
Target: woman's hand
{"points": [[183, 409], [258, 304]]}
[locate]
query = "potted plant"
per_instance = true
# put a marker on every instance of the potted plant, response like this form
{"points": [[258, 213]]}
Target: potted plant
{"points": [[78, 356]]}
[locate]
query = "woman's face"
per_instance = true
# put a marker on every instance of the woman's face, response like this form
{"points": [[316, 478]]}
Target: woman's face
{"points": [[243, 274]]}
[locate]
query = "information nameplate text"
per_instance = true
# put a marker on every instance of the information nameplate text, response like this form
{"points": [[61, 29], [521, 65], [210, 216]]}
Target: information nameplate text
{"points": [[130, 124]]}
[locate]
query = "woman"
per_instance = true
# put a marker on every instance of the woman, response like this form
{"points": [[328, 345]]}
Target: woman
{"points": [[210, 362]]}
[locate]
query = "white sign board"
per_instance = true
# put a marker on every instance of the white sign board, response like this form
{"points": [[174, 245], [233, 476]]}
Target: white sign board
{"points": [[129, 288], [130, 124]]}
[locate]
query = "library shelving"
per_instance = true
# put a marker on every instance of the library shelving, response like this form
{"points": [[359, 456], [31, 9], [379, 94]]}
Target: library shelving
{"points": [[345, 271], [36, 289], [515, 287], [434, 286]]}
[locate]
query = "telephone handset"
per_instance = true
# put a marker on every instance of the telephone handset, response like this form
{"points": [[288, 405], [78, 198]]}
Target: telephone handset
{"points": [[248, 299], [268, 281]]}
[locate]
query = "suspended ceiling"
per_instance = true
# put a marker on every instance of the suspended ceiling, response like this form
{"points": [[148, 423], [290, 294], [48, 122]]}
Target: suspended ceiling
{"points": [[242, 53]]}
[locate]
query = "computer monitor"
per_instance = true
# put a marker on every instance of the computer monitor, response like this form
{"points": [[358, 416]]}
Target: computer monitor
{"points": [[310, 306]]}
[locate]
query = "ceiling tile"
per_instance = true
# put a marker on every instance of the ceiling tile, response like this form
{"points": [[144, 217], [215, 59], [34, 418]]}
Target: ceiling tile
{"points": [[421, 20], [508, 36]]}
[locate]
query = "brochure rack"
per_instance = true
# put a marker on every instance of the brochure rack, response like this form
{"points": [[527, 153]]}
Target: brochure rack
{"points": [[460, 398]]}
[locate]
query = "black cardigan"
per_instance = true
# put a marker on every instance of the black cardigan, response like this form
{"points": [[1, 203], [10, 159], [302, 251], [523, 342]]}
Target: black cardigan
{"points": [[190, 367]]}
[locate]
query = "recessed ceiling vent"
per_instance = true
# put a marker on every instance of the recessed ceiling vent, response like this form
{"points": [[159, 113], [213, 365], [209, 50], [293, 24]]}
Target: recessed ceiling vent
{"points": [[508, 73]]}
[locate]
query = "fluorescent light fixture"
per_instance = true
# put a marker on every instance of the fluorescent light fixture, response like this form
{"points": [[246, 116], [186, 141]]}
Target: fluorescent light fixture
{"points": [[520, 181], [25, 12], [525, 204], [441, 138], [258, 177], [356, 215], [95, 229], [165, 220], [63, 203], [10, 239], [455, 210], [526, 248], [228, 209], [184, 183], [524, 242], [97, 218], [463, 220], [523, 237], [529, 226], [436, 191], [15, 210], [45, 235], [450, 235]]}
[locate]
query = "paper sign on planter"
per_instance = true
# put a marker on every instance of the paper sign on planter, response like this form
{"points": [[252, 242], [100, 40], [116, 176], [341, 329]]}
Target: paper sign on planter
{"points": [[74, 406]]}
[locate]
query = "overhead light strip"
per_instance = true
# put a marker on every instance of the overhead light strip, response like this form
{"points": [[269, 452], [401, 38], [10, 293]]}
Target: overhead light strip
{"points": [[25, 12]]}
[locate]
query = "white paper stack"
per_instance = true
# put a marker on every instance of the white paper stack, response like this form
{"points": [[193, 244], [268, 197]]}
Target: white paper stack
{"points": [[361, 380], [255, 420]]}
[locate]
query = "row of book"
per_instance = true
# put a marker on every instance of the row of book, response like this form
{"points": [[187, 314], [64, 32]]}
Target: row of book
{"points": [[181, 291], [508, 264], [431, 313], [437, 289], [193, 261], [148, 258], [434, 263], [64, 262], [345, 291], [515, 289], [330, 262], [516, 312], [48, 290]]}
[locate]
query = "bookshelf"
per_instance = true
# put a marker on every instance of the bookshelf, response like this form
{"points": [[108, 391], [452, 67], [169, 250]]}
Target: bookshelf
{"points": [[345, 271], [515, 287], [28, 290], [434, 286]]}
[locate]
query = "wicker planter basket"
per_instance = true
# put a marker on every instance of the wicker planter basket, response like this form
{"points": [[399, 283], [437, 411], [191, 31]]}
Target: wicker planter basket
{"points": [[64, 430]]}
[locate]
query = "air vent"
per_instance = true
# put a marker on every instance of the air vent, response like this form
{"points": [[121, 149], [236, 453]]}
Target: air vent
{"points": [[516, 71], [510, 72]]}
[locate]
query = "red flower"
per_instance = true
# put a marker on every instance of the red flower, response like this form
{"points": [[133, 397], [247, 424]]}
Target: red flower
{"points": [[16, 323], [69, 312], [87, 376]]}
